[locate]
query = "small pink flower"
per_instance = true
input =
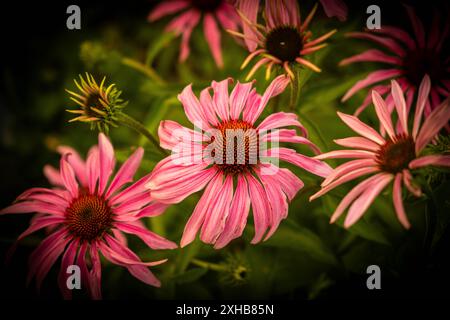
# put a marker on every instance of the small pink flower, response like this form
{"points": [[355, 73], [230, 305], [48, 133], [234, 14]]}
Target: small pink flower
{"points": [[86, 215], [234, 182], [411, 57], [386, 159], [183, 25], [284, 40]]}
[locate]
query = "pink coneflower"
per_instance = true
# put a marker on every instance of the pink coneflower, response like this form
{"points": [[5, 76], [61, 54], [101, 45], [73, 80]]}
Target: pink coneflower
{"points": [[233, 182], [87, 216], [386, 159], [183, 25], [284, 41], [410, 58]]}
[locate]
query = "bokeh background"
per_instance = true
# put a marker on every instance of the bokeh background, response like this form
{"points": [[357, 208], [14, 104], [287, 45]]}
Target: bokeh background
{"points": [[307, 258]]}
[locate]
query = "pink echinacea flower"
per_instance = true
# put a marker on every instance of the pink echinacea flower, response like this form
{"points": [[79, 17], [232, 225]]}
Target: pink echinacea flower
{"points": [[285, 40], [86, 216], [385, 159], [410, 57], [241, 176], [211, 10]]}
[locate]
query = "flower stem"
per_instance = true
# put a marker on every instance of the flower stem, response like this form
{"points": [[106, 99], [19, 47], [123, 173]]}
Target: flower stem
{"points": [[295, 91], [209, 265], [147, 70], [131, 123]]}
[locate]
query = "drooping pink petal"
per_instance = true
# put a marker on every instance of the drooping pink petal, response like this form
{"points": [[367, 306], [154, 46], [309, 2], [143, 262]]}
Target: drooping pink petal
{"points": [[153, 240], [260, 207], [53, 176], [400, 105], [352, 195], [312, 165], [212, 35], [77, 163], [238, 98], [92, 167], [361, 128], [206, 102], [347, 168], [138, 270], [358, 143], [346, 154], [193, 108], [218, 211], [335, 8], [152, 210], [68, 176], [361, 204], [198, 216], [67, 260], [95, 275], [398, 34], [45, 247], [281, 119], [249, 9], [433, 124], [276, 87], [388, 43], [409, 183], [372, 55], [135, 203], [398, 202], [422, 98], [356, 173], [55, 197], [107, 161], [383, 114], [277, 202], [39, 223], [289, 182], [431, 160], [166, 8], [237, 218], [221, 99], [126, 172], [33, 206], [81, 262], [372, 78], [131, 191], [289, 135]]}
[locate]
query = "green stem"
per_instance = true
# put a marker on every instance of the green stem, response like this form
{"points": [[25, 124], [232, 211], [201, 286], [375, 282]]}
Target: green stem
{"points": [[209, 265], [295, 91], [147, 70], [131, 123]]}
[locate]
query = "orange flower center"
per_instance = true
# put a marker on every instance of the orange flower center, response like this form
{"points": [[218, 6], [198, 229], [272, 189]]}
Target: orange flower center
{"points": [[394, 156], [88, 217], [238, 148]]}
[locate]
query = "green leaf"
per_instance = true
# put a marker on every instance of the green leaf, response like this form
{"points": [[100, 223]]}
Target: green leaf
{"points": [[301, 239], [190, 275]]}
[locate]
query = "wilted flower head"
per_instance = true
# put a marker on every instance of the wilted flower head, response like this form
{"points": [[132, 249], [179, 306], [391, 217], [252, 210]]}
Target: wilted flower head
{"points": [[211, 10], [387, 159], [87, 216], [285, 40], [410, 57], [230, 158], [99, 104]]}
